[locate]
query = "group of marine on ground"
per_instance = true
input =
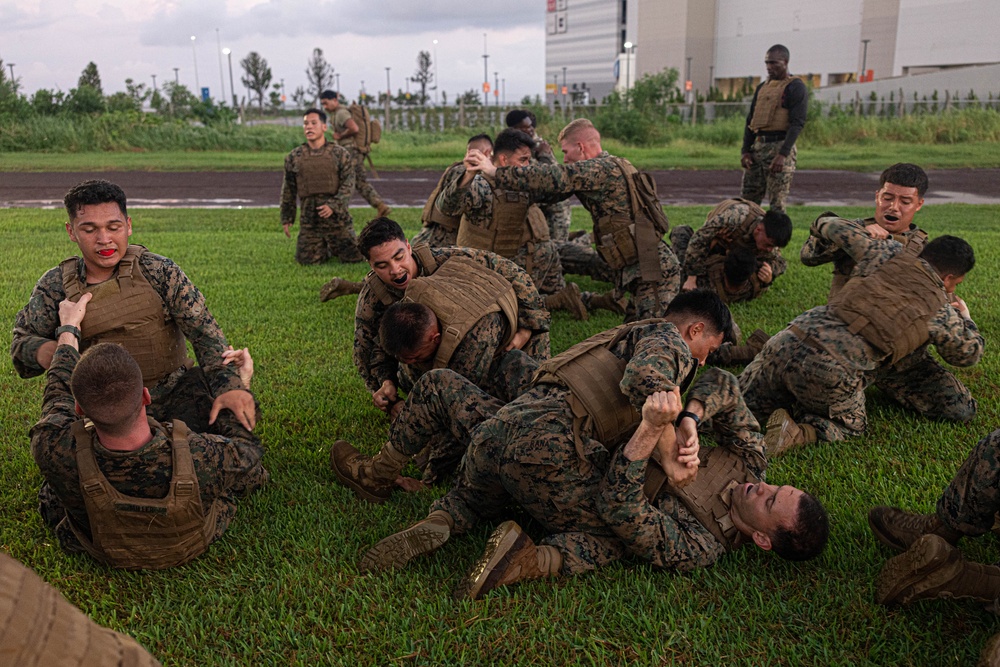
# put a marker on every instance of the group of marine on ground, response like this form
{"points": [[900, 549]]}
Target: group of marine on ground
{"points": [[145, 454]]}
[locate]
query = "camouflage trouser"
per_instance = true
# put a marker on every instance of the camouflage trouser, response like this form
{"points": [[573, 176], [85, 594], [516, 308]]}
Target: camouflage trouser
{"points": [[921, 384], [321, 239], [680, 237], [541, 261], [649, 299], [808, 382], [538, 346], [435, 236], [758, 179], [970, 502], [558, 216], [361, 183], [581, 259], [190, 400]]}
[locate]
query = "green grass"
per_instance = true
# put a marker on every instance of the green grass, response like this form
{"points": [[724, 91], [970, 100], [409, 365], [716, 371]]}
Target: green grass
{"points": [[282, 587]]}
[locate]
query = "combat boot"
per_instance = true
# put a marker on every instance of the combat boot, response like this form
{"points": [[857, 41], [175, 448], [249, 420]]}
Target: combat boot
{"points": [[733, 355], [510, 556], [990, 657], [898, 530], [784, 434], [372, 478], [931, 569], [568, 298], [607, 302], [400, 548], [338, 287], [383, 210]]}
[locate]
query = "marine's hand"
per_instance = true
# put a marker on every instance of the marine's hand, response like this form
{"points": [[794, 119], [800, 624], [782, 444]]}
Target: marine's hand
{"points": [[746, 160], [243, 361], [287, 226], [521, 337], [765, 273], [385, 396], [475, 160], [71, 313], [959, 304], [876, 231], [662, 407], [687, 434], [542, 148], [778, 164], [690, 283], [324, 211], [240, 402]]}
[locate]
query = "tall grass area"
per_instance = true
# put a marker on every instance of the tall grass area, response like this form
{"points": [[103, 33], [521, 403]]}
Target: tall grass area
{"points": [[282, 586]]}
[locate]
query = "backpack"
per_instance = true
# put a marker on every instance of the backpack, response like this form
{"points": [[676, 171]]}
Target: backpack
{"points": [[369, 129]]}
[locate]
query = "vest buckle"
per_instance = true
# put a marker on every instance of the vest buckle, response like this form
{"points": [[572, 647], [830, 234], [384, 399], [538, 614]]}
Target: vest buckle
{"points": [[185, 488], [93, 488]]}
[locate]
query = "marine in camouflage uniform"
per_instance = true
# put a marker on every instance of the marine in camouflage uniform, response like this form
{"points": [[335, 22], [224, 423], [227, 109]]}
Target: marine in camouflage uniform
{"points": [[816, 368], [186, 393], [226, 462], [343, 134], [320, 239]]}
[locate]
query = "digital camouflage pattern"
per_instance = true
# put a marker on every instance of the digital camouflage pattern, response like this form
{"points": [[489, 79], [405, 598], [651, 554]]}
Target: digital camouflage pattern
{"points": [[475, 202], [338, 123], [432, 233], [601, 186], [321, 239], [227, 463], [971, 500], [714, 278], [579, 257], [758, 179], [183, 303], [820, 376], [722, 232], [558, 214], [375, 366]]}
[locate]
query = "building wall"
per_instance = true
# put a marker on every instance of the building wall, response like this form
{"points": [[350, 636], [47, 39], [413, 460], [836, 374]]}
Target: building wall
{"points": [[944, 33], [582, 35]]}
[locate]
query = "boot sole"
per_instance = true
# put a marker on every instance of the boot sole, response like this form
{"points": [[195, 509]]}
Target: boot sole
{"points": [[328, 291], [882, 536], [896, 583], [399, 549], [774, 430], [350, 483], [482, 578]]}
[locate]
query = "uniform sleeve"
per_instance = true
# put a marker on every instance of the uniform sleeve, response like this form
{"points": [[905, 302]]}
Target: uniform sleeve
{"points": [[797, 103], [816, 251], [956, 339], [346, 170], [185, 304], [58, 405], [656, 365], [848, 235], [457, 200], [733, 424], [373, 364], [696, 259], [660, 538], [778, 263], [231, 459], [540, 180], [289, 193], [36, 323]]}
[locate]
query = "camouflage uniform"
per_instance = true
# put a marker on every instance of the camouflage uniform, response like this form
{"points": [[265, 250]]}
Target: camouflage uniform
{"points": [[375, 366], [533, 453], [971, 501], [579, 257], [917, 381], [227, 465], [321, 238], [600, 185], [817, 368], [432, 233], [475, 203], [184, 394], [360, 179], [557, 213]]}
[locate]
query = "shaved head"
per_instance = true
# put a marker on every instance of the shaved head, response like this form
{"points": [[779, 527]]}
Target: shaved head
{"points": [[580, 130]]}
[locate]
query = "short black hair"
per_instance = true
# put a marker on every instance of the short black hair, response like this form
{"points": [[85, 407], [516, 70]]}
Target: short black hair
{"points": [[380, 230], [511, 140], [706, 305], [329, 95], [778, 227], [318, 112], [93, 192], [907, 175], [517, 116], [481, 137], [781, 51], [949, 255], [808, 537], [404, 326], [739, 265]]}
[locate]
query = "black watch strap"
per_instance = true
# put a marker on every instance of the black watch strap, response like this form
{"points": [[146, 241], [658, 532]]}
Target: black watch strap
{"points": [[68, 328], [686, 413]]}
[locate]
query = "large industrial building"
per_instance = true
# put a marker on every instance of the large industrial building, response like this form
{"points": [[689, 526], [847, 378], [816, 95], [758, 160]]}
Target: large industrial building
{"points": [[722, 43]]}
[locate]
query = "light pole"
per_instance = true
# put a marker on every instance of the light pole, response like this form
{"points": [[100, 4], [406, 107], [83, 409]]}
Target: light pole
{"points": [[628, 68], [503, 95], [364, 95], [197, 84], [154, 88], [864, 58], [11, 66], [337, 76], [687, 81], [388, 97], [564, 91], [232, 89], [486, 74], [437, 97], [555, 91], [496, 88], [222, 77], [177, 76]]}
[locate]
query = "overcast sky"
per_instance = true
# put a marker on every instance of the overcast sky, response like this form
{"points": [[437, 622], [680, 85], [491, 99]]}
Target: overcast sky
{"points": [[51, 41]]}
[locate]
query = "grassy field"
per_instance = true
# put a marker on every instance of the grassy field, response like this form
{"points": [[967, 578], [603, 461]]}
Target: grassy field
{"points": [[282, 587]]}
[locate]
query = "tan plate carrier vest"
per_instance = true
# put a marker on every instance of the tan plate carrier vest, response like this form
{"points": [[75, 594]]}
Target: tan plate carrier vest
{"points": [[39, 627], [623, 240], [318, 174], [516, 222], [461, 291], [426, 263], [144, 533], [432, 214], [892, 307], [708, 497], [128, 311], [840, 277], [717, 276], [768, 114]]}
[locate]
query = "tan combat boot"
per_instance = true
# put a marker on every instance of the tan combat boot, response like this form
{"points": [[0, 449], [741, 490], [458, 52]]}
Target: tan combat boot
{"points": [[510, 556], [931, 569], [568, 298], [784, 434], [371, 478], [898, 530], [733, 355], [383, 210], [338, 287], [607, 302], [400, 548], [990, 657]]}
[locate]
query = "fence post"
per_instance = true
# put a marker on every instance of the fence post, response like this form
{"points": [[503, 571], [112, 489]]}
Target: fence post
{"points": [[947, 100], [902, 104], [461, 113], [857, 103], [694, 108]]}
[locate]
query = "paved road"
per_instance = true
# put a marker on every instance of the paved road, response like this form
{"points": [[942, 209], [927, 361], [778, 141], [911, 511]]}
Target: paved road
{"points": [[411, 188]]}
